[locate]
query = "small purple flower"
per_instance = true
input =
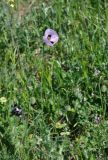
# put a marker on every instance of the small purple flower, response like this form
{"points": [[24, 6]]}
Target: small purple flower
{"points": [[16, 110], [50, 37], [97, 119]]}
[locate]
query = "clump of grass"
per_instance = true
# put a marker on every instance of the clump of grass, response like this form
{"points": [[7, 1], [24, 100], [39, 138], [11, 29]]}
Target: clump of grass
{"points": [[61, 90]]}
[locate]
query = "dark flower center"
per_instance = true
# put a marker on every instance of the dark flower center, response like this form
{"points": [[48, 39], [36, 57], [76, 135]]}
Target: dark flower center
{"points": [[49, 37], [52, 42]]}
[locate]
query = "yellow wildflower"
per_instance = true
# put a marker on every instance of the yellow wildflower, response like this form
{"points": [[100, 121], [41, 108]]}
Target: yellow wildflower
{"points": [[3, 100]]}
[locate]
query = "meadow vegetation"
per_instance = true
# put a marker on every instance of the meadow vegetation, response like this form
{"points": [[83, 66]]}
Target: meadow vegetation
{"points": [[61, 90]]}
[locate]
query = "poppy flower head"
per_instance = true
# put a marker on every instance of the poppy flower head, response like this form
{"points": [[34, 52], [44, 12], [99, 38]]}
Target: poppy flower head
{"points": [[50, 37]]}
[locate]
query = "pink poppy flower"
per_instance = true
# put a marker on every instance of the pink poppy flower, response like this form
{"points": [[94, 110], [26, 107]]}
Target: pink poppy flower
{"points": [[50, 37]]}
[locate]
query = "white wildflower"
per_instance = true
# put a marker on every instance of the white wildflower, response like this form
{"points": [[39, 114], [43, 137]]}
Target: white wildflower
{"points": [[96, 72]]}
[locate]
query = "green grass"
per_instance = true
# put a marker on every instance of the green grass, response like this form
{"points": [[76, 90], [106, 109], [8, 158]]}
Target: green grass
{"points": [[62, 90]]}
